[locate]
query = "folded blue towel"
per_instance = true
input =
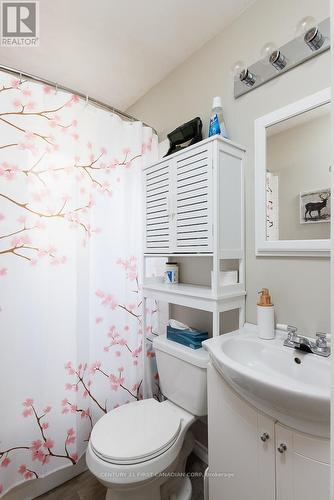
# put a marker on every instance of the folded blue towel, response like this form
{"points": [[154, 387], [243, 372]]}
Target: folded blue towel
{"points": [[189, 338]]}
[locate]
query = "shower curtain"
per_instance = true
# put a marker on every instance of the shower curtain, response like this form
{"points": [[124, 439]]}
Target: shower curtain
{"points": [[70, 298]]}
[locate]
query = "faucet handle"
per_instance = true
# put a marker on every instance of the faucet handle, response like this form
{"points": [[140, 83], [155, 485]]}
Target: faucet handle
{"points": [[321, 339], [291, 330]]}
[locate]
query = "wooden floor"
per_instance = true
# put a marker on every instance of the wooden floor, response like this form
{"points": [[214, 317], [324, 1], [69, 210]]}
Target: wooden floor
{"points": [[86, 487]]}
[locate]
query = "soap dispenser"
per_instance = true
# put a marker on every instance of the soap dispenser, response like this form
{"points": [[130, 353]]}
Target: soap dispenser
{"points": [[265, 315]]}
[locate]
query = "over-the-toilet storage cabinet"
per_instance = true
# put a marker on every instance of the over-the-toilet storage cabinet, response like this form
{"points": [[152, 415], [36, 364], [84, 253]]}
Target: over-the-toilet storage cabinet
{"points": [[179, 203], [194, 209], [190, 193]]}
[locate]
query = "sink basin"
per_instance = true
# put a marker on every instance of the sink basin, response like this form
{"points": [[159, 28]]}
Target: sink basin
{"points": [[290, 385]]}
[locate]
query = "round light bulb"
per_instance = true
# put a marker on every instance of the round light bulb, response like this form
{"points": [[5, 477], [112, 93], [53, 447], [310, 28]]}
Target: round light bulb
{"points": [[237, 68], [267, 50], [305, 24]]}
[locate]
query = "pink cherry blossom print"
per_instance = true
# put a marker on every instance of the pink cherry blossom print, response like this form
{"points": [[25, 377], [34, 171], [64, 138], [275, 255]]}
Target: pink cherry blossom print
{"points": [[27, 412], [5, 462], [22, 469], [70, 436], [15, 83], [36, 445], [48, 443], [70, 233]]}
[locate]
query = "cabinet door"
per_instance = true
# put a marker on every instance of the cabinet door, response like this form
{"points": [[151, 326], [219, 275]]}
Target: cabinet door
{"points": [[192, 213], [241, 464], [157, 180], [302, 469]]}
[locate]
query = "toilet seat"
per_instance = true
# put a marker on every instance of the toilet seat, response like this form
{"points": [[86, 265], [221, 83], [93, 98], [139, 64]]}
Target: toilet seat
{"points": [[135, 432]]}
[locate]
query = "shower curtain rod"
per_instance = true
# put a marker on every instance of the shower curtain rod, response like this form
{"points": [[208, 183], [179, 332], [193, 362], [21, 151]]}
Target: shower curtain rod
{"points": [[96, 102]]}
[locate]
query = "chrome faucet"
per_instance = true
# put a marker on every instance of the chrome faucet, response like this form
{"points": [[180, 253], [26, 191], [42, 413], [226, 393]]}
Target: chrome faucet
{"points": [[318, 346]]}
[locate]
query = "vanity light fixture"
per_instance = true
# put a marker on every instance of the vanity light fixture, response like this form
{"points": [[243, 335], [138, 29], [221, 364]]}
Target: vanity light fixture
{"points": [[278, 60], [247, 77], [314, 38]]}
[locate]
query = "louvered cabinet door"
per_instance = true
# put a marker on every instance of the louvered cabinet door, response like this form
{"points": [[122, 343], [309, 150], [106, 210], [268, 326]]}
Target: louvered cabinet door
{"points": [[193, 202], [157, 181]]}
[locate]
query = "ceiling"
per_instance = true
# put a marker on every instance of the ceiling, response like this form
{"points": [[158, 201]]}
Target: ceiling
{"points": [[116, 50]]}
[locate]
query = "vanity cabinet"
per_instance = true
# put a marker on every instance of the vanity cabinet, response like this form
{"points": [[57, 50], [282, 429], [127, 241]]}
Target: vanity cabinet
{"points": [[241, 446], [254, 457], [302, 470]]}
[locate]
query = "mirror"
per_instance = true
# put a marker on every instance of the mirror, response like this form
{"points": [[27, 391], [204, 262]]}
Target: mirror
{"points": [[293, 178], [298, 158]]}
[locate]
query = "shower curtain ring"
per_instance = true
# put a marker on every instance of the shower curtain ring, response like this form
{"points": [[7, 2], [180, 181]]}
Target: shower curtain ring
{"points": [[20, 78], [87, 99]]}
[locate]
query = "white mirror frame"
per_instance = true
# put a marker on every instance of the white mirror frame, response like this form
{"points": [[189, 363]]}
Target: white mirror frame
{"points": [[298, 248]]}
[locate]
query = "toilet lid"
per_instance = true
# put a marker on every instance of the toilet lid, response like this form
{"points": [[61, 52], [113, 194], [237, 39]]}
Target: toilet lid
{"points": [[135, 432]]}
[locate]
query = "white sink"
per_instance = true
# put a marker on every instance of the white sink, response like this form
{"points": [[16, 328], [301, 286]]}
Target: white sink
{"points": [[287, 384]]}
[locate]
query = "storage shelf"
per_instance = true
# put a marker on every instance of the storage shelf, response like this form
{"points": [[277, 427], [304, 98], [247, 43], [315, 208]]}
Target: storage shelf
{"points": [[194, 215], [196, 296], [166, 255], [223, 254]]}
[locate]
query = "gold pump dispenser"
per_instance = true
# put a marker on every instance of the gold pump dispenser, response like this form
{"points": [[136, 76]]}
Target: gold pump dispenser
{"points": [[264, 298], [265, 315]]}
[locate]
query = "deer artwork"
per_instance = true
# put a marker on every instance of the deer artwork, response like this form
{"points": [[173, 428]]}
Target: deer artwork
{"points": [[316, 206]]}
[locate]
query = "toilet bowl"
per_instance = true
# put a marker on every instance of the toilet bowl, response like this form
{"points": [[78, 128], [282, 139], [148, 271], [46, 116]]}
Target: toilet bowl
{"points": [[139, 450]]}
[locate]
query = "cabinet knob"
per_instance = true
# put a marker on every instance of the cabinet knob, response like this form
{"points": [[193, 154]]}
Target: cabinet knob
{"points": [[265, 436], [282, 448]]}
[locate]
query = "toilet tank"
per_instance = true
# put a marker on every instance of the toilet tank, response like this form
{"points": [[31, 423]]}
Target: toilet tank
{"points": [[182, 374]]}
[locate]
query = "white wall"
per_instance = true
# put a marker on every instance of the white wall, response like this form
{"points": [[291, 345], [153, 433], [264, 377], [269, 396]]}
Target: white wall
{"points": [[187, 92]]}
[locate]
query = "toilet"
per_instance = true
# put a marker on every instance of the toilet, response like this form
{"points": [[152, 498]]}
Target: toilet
{"points": [[139, 450]]}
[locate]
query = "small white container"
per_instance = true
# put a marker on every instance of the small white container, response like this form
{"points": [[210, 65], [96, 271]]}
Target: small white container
{"points": [[265, 316], [171, 272], [226, 278]]}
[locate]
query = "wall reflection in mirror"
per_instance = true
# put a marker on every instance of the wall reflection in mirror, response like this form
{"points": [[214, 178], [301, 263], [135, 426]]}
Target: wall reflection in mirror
{"points": [[298, 159]]}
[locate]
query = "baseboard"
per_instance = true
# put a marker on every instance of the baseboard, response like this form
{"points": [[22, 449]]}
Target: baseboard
{"points": [[36, 487], [201, 452]]}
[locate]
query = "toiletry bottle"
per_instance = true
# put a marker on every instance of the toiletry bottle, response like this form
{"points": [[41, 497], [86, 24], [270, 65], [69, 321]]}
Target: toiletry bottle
{"points": [[217, 125], [172, 272], [265, 316]]}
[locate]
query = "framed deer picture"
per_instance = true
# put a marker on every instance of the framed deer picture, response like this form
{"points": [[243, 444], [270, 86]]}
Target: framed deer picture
{"points": [[315, 207]]}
